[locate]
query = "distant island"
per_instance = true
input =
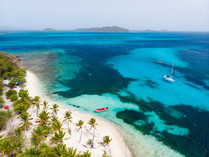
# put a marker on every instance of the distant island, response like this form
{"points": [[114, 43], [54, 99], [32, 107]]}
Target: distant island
{"points": [[95, 29], [103, 29], [50, 29]]}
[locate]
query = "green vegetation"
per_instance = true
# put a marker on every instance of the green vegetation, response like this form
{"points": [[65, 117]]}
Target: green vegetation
{"points": [[10, 70], [1, 86], [36, 102], [80, 125], [68, 118], [23, 94], [1, 102], [3, 119], [93, 124], [55, 109], [13, 97], [11, 92]]}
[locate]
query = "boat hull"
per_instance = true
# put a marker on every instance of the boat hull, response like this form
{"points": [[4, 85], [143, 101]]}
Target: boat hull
{"points": [[102, 109], [169, 79]]}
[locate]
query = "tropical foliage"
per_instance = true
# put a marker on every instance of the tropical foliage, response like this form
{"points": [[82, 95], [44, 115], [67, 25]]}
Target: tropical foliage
{"points": [[1, 102], [3, 119], [93, 124], [39, 134], [68, 118], [55, 109], [11, 92], [80, 125], [58, 137], [36, 100], [43, 118]]}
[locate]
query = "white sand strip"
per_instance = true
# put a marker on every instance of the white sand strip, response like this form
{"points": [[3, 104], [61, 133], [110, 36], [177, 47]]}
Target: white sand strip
{"points": [[117, 147]]}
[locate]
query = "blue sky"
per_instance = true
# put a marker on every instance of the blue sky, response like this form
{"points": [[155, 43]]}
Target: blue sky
{"points": [[179, 15]]}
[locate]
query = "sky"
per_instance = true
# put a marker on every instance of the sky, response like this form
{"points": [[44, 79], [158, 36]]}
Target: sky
{"points": [[174, 15]]}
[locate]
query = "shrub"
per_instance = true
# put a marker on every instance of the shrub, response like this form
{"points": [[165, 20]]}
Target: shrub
{"points": [[1, 87], [6, 75], [19, 72], [23, 93], [10, 92], [3, 119], [1, 102], [13, 97]]}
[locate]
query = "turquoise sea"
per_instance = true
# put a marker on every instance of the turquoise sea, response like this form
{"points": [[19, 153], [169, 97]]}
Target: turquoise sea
{"points": [[124, 71]]}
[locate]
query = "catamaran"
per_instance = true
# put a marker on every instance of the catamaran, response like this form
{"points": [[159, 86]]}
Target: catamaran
{"points": [[169, 77]]}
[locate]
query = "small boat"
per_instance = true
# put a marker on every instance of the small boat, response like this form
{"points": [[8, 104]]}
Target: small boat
{"points": [[169, 77], [102, 109], [6, 107]]}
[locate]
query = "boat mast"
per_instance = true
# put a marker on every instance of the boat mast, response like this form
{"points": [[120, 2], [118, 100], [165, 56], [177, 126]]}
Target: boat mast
{"points": [[172, 68]]}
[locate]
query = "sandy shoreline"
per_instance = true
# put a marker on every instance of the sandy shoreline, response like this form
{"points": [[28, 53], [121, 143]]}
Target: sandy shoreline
{"points": [[117, 147], [141, 145]]}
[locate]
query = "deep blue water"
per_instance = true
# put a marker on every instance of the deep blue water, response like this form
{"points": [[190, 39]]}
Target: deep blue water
{"points": [[122, 71]]}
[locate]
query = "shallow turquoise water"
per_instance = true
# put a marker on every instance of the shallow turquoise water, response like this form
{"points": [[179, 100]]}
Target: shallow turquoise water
{"points": [[120, 70]]}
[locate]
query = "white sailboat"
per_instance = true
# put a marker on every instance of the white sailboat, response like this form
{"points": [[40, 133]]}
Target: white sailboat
{"points": [[169, 77]]}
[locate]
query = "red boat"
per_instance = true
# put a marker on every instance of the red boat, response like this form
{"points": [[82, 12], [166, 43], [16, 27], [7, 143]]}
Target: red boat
{"points": [[6, 107], [102, 109]]}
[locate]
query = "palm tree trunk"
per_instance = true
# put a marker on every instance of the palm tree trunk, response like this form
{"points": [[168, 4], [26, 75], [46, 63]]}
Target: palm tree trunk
{"points": [[109, 149], [68, 124], [92, 144], [80, 136], [37, 111], [10, 123]]}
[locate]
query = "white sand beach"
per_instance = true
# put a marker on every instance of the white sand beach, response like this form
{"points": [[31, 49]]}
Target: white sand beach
{"points": [[117, 146], [147, 147]]}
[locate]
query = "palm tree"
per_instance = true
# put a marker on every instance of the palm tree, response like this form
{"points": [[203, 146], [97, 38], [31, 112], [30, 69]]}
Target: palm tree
{"points": [[4, 146], [60, 150], [26, 121], [72, 152], [45, 151], [37, 101], [14, 147], [106, 141], [39, 134], [24, 95], [54, 109], [56, 124], [45, 104], [68, 117], [93, 124], [29, 152], [9, 146], [22, 107], [58, 137], [80, 125], [86, 154], [43, 118]]}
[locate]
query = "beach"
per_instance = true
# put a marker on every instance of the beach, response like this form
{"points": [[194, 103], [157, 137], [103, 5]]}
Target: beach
{"points": [[147, 147], [117, 146]]}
